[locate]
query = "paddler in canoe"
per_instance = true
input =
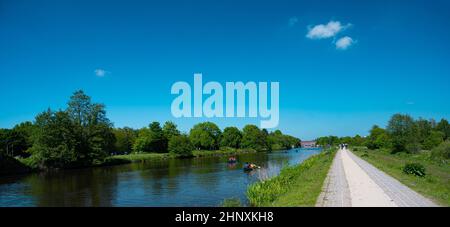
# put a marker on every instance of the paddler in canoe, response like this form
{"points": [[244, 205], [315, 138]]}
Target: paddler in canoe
{"points": [[250, 166], [232, 159]]}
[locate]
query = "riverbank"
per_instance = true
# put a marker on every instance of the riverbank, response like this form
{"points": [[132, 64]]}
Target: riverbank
{"points": [[176, 182], [434, 185], [138, 157], [298, 185], [10, 166], [26, 165]]}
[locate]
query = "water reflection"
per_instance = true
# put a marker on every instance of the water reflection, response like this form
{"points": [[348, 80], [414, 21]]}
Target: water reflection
{"points": [[171, 182]]}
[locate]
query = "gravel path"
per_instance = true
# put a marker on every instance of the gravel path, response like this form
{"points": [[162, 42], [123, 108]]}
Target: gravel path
{"points": [[352, 181]]}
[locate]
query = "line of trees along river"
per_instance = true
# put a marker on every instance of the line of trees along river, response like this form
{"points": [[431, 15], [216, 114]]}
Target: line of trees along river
{"points": [[82, 135], [402, 134]]}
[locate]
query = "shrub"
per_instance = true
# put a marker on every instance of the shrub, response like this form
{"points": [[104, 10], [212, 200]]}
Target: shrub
{"points": [[413, 148], [416, 169], [181, 146], [442, 152], [433, 140]]}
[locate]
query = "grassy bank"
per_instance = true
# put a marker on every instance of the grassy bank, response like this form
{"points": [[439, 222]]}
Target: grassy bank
{"points": [[222, 152], [298, 185], [13, 166], [434, 185], [137, 157]]}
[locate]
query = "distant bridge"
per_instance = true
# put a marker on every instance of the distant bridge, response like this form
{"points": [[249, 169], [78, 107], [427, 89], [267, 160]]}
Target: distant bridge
{"points": [[308, 144]]}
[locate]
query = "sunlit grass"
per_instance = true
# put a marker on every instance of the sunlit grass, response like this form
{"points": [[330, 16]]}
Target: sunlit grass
{"points": [[298, 185], [434, 185], [134, 157]]}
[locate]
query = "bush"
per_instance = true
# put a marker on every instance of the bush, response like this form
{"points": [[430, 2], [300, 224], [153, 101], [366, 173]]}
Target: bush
{"points": [[416, 169], [442, 152], [181, 146], [413, 148], [433, 140]]}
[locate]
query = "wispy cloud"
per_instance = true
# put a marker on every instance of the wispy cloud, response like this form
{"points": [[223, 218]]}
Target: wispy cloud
{"points": [[323, 31], [344, 42], [292, 21], [100, 72], [410, 103]]}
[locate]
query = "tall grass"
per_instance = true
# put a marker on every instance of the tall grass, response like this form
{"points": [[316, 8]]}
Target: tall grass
{"points": [[231, 202], [310, 174], [434, 185]]}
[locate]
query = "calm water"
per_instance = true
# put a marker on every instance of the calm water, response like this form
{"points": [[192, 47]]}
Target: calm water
{"points": [[174, 182]]}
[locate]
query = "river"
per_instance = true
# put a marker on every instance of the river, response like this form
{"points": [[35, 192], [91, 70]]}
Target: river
{"points": [[173, 182]]}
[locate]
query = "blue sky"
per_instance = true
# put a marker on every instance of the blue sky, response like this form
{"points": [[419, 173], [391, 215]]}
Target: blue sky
{"points": [[342, 66]]}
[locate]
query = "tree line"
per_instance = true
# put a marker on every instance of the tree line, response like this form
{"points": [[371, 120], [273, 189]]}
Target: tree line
{"points": [[402, 134], [202, 136], [82, 135]]}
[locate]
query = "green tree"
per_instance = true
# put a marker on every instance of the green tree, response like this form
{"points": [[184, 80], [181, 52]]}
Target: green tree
{"points": [[254, 138], [79, 136], [159, 141], [378, 138], [17, 141], [125, 138], [278, 141], [441, 153], [170, 129], [180, 145], [292, 141], [346, 140], [80, 108], [404, 134], [358, 140], [434, 139], [444, 127], [23, 133], [151, 139], [143, 141], [328, 141], [231, 137], [5, 141], [205, 135], [424, 128], [56, 141], [93, 129]]}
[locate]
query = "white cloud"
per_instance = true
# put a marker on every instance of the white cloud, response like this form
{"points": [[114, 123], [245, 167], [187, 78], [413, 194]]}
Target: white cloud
{"points": [[100, 72], [323, 31], [344, 42], [410, 103], [293, 21]]}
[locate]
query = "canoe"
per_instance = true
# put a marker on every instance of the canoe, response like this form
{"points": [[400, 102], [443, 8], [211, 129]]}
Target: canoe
{"points": [[250, 169]]}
